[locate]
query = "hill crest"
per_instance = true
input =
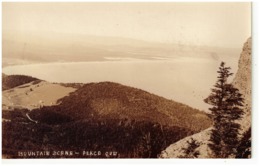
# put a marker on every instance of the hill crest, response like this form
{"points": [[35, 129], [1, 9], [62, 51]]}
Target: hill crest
{"points": [[116, 101]]}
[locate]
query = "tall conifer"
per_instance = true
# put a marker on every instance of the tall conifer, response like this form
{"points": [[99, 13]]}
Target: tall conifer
{"points": [[227, 103]]}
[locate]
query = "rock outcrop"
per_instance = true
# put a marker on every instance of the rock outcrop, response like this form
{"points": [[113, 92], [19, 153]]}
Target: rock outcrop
{"points": [[176, 150], [243, 82]]}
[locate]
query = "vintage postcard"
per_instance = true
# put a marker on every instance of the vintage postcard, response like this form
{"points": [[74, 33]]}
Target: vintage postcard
{"points": [[126, 80]]}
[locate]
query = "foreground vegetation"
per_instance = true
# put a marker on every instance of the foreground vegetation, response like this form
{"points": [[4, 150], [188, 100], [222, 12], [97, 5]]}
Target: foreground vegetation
{"points": [[129, 138]]}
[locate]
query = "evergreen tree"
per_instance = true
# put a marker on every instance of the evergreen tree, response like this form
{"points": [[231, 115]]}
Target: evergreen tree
{"points": [[190, 151], [226, 109], [244, 148]]}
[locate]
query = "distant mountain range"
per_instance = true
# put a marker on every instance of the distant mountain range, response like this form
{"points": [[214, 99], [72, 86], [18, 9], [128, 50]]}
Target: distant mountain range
{"points": [[29, 48]]}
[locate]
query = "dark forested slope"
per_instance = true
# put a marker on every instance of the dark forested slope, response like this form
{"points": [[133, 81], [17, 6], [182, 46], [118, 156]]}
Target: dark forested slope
{"points": [[115, 101], [11, 81]]}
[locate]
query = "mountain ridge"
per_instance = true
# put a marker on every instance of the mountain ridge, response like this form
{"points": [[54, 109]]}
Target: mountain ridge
{"points": [[113, 100]]}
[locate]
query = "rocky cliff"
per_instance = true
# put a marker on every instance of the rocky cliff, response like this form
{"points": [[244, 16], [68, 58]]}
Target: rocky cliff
{"points": [[243, 82]]}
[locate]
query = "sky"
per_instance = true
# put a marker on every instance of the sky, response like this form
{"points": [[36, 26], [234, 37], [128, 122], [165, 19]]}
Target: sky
{"points": [[208, 24]]}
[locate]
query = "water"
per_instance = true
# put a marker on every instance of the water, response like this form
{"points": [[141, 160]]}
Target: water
{"points": [[186, 80]]}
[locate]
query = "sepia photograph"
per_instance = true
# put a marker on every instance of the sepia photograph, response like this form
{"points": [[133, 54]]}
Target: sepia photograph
{"points": [[131, 80]]}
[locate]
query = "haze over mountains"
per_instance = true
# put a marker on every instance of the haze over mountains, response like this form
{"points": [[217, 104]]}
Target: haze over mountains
{"points": [[159, 68], [26, 48]]}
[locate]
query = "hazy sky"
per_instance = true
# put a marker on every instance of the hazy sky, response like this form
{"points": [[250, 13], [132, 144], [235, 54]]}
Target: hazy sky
{"points": [[214, 24]]}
